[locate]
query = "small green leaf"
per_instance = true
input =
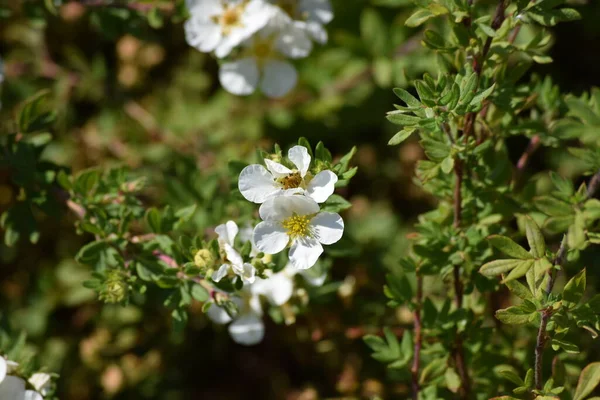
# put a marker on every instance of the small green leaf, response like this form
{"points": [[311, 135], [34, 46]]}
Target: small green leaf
{"points": [[509, 247], [519, 271], [552, 206], [199, 293], [575, 288], [566, 346], [401, 136], [535, 238], [498, 267]]}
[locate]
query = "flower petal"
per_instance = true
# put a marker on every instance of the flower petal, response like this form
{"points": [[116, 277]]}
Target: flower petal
{"points": [[220, 273], [218, 315], [227, 232], [317, 10], [256, 183], [316, 31], [293, 41], [278, 288], [328, 227], [270, 237], [282, 207], [32, 395], [12, 388], [233, 256], [248, 273], [300, 157], [322, 186], [239, 77], [248, 329], [41, 382], [278, 170], [3, 368], [305, 252], [204, 8], [279, 77], [204, 35]]}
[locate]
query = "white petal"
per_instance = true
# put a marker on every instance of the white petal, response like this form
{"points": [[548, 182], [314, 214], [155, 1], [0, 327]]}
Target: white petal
{"points": [[12, 388], [317, 32], [293, 41], [328, 227], [220, 273], [41, 382], [32, 395], [248, 329], [227, 232], [3, 368], [218, 315], [203, 35], [280, 289], [317, 10], [282, 207], [239, 77], [278, 170], [305, 252], [11, 366], [270, 237], [256, 183], [204, 8], [322, 186], [248, 273], [312, 279], [233, 256], [279, 77], [300, 157], [257, 14]]}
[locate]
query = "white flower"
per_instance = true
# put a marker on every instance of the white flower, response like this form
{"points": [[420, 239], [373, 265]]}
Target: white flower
{"points": [[12, 387], [221, 25], [257, 183], [296, 220], [41, 382], [247, 328], [227, 233], [262, 61], [307, 15], [32, 395]]}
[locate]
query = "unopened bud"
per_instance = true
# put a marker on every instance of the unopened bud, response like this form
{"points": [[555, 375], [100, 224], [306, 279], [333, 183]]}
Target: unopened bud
{"points": [[204, 258]]}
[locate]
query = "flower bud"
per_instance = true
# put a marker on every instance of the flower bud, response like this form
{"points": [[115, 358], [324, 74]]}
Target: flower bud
{"points": [[204, 258]]}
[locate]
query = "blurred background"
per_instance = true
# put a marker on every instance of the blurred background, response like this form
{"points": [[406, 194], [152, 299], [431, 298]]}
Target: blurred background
{"points": [[130, 91]]}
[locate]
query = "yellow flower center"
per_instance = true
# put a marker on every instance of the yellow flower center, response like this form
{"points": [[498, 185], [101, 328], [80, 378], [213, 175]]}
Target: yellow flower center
{"points": [[291, 181], [230, 19], [262, 48], [297, 225]]}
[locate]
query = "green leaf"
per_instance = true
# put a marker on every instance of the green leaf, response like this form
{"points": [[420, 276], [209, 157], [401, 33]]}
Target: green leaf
{"points": [[566, 346], [535, 238], [336, 203], [498, 267], [399, 117], [448, 164], [575, 288], [418, 18], [519, 271], [410, 100], [401, 136], [199, 292], [373, 31], [519, 290], [588, 380], [552, 206], [435, 150], [514, 316], [153, 219], [509, 247]]}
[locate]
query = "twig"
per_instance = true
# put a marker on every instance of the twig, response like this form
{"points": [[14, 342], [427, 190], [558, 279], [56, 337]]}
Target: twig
{"points": [[531, 148], [418, 339], [559, 259], [132, 5]]}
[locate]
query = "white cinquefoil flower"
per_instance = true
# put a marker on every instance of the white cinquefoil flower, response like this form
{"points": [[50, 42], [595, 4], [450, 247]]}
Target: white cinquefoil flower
{"points": [[307, 15], [262, 63], [221, 25], [296, 220], [257, 183], [227, 233]]}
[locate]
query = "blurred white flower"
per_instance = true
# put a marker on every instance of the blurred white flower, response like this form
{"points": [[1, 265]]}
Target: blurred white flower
{"points": [[32, 395], [226, 236], [262, 63], [257, 183], [41, 382], [307, 15], [296, 220], [221, 25], [12, 387], [247, 328]]}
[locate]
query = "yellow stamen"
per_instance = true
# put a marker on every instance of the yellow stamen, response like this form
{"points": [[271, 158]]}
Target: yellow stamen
{"points": [[297, 225], [291, 181]]}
